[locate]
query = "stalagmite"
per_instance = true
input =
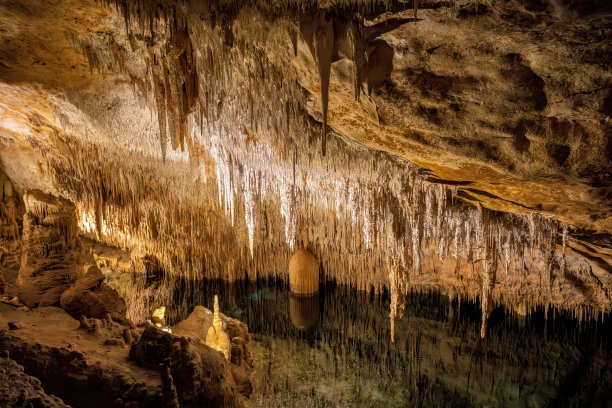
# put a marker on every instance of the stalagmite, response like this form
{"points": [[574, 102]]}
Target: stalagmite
{"points": [[304, 273], [355, 35], [217, 337]]}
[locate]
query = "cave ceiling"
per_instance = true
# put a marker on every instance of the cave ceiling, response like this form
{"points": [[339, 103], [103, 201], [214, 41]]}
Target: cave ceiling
{"points": [[462, 143]]}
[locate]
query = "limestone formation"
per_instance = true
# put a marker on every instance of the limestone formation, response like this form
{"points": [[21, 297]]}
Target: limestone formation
{"points": [[159, 317], [216, 336], [52, 249], [304, 273], [171, 399], [199, 374], [103, 380], [20, 390], [91, 297], [197, 326]]}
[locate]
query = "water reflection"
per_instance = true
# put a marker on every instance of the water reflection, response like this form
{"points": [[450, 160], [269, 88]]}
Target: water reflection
{"points": [[304, 310], [334, 349]]}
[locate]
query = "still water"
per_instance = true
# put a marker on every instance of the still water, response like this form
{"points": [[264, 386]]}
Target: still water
{"points": [[335, 350]]}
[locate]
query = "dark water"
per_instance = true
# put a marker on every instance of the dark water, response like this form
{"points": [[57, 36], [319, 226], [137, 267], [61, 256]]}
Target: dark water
{"points": [[335, 350]]}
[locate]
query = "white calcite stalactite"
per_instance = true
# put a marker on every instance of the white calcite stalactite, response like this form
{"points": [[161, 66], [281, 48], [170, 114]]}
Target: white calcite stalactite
{"points": [[288, 212], [251, 205]]}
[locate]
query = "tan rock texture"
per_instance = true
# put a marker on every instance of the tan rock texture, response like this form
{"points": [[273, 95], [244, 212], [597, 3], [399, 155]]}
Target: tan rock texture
{"points": [[52, 250], [80, 365], [89, 296], [304, 273]]}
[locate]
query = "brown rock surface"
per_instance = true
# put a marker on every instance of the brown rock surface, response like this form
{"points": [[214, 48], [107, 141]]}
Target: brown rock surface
{"points": [[89, 296], [75, 364], [20, 390], [52, 250], [200, 374], [198, 324]]}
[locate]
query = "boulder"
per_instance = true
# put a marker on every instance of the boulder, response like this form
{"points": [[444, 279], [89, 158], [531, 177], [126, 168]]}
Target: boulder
{"points": [[153, 347], [91, 297], [202, 377]]}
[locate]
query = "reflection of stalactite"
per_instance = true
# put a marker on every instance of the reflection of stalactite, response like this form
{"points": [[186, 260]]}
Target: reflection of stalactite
{"points": [[251, 208], [488, 237]]}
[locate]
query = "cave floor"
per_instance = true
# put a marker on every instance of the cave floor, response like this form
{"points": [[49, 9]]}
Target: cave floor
{"points": [[45, 334]]}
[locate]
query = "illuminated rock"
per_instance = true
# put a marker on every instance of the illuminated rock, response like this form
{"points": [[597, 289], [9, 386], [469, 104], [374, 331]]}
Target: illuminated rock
{"points": [[304, 273], [217, 337], [159, 317], [89, 296], [50, 262]]}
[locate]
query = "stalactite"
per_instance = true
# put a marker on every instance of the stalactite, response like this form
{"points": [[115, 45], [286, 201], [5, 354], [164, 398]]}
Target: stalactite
{"points": [[324, 46], [356, 39], [563, 257]]}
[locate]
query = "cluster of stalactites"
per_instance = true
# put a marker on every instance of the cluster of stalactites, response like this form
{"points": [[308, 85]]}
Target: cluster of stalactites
{"points": [[372, 220]]}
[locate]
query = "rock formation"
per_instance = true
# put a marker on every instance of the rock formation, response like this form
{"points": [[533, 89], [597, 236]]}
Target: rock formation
{"points": [[76, 362], [465, 148], [456, 145], [90, 297], [216, 335], [19, 390], [392, 204], [200, 325], [199, 374], [52, 251], [304, 273]]}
